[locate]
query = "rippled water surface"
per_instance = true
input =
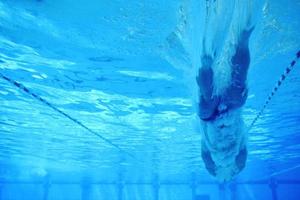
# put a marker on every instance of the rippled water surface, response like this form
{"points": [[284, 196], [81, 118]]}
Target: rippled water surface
{"points": [[123, 72]]}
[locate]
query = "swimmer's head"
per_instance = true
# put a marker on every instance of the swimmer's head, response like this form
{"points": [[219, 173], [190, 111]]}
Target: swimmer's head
{"points": [[225, 172], [224, 150]]}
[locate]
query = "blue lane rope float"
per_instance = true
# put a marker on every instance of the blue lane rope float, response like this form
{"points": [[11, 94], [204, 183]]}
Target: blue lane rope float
{"points": [[275, 89], [45, 102]]}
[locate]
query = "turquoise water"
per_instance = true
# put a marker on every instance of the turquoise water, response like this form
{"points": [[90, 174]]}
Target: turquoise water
{"points": [[109, 111]]}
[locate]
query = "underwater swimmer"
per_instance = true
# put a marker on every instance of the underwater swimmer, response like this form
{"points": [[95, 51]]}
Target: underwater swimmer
{"points": [[224, 149]]}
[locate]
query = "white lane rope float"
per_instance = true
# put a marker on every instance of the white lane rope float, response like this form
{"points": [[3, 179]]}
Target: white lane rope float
{"points": [[45, 102], [276, 87]]}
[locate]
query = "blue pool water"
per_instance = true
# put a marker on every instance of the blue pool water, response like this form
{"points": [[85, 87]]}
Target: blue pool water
{"points": [[98, 101]]}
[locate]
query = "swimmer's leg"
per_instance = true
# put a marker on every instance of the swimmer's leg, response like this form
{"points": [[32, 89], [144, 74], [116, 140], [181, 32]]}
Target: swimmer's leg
{"points": [[205, 77], [237, 93], [207, 101], [241, 58]]}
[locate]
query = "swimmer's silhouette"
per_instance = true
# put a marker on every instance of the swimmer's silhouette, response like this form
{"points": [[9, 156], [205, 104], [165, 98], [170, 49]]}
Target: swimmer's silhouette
{"points": [[224, 149]]}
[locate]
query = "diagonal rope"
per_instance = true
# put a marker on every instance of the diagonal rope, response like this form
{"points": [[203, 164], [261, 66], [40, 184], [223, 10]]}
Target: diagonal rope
{"points": [[275, 89], [45, 102]]}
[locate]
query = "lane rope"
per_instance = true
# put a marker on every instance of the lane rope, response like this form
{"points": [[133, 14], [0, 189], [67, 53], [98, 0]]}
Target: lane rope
{"points": [[275, 89], [45, 102]]}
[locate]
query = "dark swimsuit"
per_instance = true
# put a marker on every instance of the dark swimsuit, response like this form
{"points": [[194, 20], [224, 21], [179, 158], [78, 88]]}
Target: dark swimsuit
{"points": [[234, 97], [211, 106]]}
